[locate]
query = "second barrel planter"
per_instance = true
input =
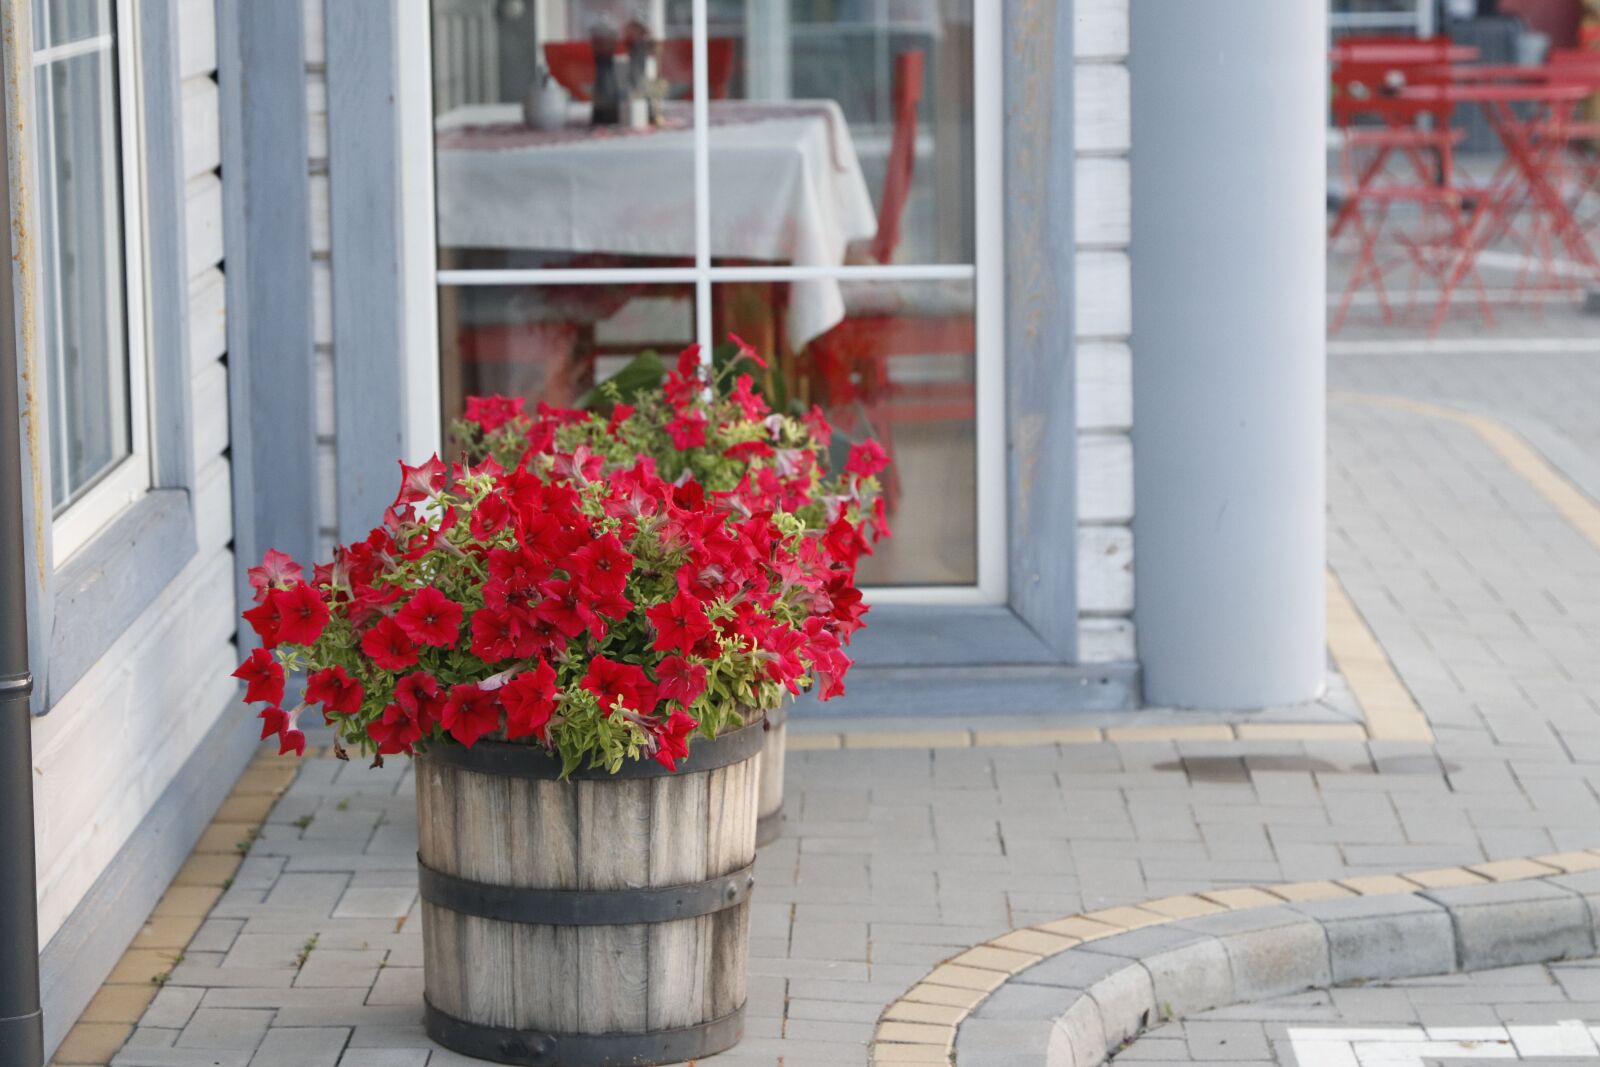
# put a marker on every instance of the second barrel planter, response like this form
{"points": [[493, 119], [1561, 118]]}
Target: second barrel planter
{"points": [[773, 752], [599, 920]]}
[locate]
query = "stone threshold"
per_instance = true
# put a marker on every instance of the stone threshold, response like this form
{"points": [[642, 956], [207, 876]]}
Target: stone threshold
{"points": [[1073, 991]]}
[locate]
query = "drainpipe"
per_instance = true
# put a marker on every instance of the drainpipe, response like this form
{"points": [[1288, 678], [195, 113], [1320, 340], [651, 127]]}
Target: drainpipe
{"points": [[21, 1020]]}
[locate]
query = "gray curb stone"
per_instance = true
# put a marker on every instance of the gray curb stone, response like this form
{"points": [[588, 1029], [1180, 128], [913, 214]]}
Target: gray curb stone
{"points": [[1078, 1007]]}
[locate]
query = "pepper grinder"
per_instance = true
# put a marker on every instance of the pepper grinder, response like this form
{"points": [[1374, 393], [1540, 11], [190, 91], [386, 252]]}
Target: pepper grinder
{"points": [[607, 93]]}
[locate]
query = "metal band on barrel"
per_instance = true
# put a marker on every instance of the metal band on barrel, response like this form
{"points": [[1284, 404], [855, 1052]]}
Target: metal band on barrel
{"points": [[537, 1048], [510, 760], [584, 907]]}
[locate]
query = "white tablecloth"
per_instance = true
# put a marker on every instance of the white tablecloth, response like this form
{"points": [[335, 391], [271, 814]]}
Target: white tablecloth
{"points": [[785, 188]]}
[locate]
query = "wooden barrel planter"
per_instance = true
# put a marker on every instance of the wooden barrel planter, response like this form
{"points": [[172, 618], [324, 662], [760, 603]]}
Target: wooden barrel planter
{"points": [[770, 823], [599, 920]]}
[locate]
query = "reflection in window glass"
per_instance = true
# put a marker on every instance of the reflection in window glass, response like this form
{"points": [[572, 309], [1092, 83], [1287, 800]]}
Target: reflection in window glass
{"points": [[81, 240]]}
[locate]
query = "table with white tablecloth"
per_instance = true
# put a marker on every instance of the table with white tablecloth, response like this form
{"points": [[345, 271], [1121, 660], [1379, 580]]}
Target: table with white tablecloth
{"points": [[786, 188]]}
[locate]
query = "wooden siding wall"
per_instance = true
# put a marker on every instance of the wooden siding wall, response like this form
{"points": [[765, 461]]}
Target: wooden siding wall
{"points": [[1104, 302], [321, 278], [115, 741]]}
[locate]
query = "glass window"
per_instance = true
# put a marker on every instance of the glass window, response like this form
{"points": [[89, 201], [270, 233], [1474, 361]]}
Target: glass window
{"points": [[94, 371], [617, 175]]}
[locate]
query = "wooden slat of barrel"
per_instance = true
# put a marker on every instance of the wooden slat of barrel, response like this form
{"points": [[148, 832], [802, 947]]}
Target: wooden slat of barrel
{"points": [[614, 853], [679, 951], [773, 745], [483, 827], [544, 855], [730, 841]]}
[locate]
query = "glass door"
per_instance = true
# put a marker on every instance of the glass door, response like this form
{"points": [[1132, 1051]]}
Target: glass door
{"points": [[819, 177]]}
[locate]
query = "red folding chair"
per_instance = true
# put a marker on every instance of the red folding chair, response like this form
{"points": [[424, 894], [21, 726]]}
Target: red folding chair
{"points": [[1380, 128]]}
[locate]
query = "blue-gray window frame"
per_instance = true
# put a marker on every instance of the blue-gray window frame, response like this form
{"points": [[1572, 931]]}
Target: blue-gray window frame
{"points": [[76, 610], [1021, 656]]}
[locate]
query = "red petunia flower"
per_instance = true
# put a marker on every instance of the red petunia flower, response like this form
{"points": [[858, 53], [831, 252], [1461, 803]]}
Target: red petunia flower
{"points": [[262, 675], [530, 700], [387, 645], [419, 695], [493, 412], [680, 680], [866, 458], [470, 713], [680, 623], [277, 571], [747, 351], [395, 731], [335, 690], [301, 614], [420, 482], [496, 635], [687, 430], [672, 739], [284, 724], [431, 618], [601, 567], [625, 683], [264, 619]]}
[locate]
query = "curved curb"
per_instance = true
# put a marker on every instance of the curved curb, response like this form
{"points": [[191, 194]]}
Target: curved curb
{"points": [[1069, 992]]}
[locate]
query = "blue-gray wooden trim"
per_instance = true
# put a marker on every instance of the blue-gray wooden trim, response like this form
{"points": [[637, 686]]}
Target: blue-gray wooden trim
{"points": [[1041, 364], [993, 689], [166, 246], [77, 609], [105, 586], [364, 204], [90, 941], [952, 635], [266, 188]]}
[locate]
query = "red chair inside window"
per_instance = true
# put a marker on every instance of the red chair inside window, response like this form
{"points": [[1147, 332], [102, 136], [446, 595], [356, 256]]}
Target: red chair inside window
{"points": [[572, 65], [889, 319], [1378, 126]]}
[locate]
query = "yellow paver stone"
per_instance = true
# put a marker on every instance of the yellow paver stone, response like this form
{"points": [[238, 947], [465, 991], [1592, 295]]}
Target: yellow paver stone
{"points": [[1126, 917], [909, 739], [185, 900], [990, 958], [887, 1053], [1035, 941], [141, 965], [909, 1011], [1300, 731], [170, 932], [813, 742], [1571, 862], [1512, 870], [124, 1003], [1305, 892], [944, 994], [1182, 907], [1373, 884], [225, 838], [965, 977], [1079, 927], [1174, 732], [1242, 897], [1059, 736], [92, 1043], [917, 1033], [208, 869], [271, 778], [1445, 878], [245, 807]]}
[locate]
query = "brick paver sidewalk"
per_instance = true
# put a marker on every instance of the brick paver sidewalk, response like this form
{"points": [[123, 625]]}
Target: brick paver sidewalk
{"points": [[895, 859]]}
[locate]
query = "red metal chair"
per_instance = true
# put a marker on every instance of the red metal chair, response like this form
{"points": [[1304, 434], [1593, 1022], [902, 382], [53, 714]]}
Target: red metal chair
{"points": [[1378, 126], [572, 64], [884, 320]]}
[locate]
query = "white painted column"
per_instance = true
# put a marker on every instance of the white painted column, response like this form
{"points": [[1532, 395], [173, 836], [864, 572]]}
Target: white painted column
{"points": [[1229, 103]]}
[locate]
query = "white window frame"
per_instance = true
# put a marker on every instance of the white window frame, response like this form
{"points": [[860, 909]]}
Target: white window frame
{"points": [[987, 273], [124, 484]]}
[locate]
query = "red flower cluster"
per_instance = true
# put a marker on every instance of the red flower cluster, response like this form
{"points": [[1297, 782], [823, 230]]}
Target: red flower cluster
{"points": [[601, 613]]}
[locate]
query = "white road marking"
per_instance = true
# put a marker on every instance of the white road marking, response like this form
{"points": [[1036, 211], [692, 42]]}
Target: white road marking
{"points": [[1411, 1046]]}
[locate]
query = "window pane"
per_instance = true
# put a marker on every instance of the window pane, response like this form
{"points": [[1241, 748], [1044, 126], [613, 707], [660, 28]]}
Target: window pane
{"points": [[69, 20], [82, 243], [529, 171], [900, 368], [841, 131], [551, 342]]}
